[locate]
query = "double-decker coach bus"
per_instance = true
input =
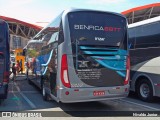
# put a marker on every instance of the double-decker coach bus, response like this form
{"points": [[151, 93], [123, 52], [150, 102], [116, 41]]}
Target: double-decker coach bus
{"points": [[4, 59], [144, 41], [81, 56]]}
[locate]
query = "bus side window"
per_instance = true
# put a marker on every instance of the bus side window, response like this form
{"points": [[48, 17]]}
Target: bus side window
{"points": [[61, 34], [132, 37], [138, 34]]}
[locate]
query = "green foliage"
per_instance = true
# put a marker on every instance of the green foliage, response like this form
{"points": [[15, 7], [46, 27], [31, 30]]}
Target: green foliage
{"points": [[32, 53]]}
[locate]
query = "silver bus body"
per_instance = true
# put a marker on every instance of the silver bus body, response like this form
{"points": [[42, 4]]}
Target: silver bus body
{"points": [[72, 67], [144, 45]]}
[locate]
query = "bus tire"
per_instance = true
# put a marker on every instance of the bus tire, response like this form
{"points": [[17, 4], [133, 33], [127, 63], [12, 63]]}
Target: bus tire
{"points": [[45, 94], [145, 90]]}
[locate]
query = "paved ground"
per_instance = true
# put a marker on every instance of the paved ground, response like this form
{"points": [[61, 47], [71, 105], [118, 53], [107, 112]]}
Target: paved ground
{"points": [[24, 97]]}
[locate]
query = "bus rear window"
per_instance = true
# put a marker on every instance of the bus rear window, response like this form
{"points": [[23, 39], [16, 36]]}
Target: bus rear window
{"points": [[88, 28]]}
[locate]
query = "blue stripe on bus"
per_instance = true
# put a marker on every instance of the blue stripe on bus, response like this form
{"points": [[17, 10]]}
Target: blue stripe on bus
{"points": [[119, 52], [101, 53], [84, 48], [110, 57], [106, 60], [107, 66], [121, 73], [45, 70], [118, 70], [50, 56]]}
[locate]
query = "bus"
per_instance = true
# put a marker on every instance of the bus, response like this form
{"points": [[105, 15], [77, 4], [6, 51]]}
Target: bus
{"points": [[82, 55], [144, 42], [4, 59]]}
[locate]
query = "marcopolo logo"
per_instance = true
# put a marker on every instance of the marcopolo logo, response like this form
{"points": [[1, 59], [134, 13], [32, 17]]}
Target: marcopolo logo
{"points": [[98, 28]]}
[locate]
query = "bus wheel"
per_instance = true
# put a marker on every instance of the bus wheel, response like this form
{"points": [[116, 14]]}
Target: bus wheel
{"points": [[145, 90], [44, 94]]}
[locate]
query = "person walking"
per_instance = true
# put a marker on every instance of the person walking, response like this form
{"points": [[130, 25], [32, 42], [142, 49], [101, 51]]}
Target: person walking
{"points": [[17, 66], [14, 72], [21, 69]]}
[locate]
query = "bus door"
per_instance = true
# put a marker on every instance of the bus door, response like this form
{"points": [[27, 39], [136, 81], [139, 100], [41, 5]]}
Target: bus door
{"points": [[53, 72], [49, 66]]}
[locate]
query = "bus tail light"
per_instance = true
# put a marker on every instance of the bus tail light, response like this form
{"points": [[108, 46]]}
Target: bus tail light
{"points": [[64, 71], [127, 71], [6, 77], [67, 93]]}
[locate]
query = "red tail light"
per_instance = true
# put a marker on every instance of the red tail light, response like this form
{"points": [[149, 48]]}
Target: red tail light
{"points": [[64, 71], [127, 71], [6, 77]]}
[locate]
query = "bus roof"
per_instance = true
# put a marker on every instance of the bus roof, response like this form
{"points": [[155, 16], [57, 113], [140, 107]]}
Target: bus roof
{"points": [[77, 10], [155, 19]]}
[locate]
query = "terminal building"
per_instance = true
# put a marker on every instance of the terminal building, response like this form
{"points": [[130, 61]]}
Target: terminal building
{"points": [[20, 32], [142, 13]]}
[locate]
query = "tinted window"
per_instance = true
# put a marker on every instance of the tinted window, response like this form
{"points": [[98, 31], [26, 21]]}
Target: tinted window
{"points": [[53, 38], [47, 32], [148, 35], [61, 34], [96, 28], [132, 33]]}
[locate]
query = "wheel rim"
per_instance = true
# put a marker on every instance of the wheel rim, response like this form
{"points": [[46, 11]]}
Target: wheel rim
{"points": [[144, 90]]}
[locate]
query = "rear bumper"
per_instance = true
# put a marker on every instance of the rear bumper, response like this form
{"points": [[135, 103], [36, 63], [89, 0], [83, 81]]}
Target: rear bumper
{"points": [[3, 91], [86, 94]]}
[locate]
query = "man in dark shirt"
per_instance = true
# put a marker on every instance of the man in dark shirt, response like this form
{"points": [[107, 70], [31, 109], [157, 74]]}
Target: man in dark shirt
{"points": [[14, 72], [21, 69]]}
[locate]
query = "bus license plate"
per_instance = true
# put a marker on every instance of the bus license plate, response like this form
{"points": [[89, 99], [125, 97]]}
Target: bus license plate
{"points": [[98, 93]]}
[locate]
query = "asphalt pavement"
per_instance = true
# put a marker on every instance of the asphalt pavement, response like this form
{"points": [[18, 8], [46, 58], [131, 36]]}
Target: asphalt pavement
{"points": [[25, 97]]}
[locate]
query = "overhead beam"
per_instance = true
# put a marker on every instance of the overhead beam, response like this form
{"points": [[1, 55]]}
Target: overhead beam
{"points": [[11, 31], [28, 35], [133, 17], [22, 32], [145, 16], [150, 12], [17, 29]]}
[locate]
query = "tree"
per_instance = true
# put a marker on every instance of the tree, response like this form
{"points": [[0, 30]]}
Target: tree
{"points": [[32, 53]]}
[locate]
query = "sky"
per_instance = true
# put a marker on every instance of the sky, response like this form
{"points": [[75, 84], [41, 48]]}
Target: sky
{"points": [[40, 12]]}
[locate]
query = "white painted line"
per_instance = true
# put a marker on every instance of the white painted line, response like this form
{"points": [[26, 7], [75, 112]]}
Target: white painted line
{"points": [[26, 99], [139, 104]]}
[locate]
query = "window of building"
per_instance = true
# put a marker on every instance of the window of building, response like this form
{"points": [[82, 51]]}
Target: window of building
{"points": [[16, 42]]}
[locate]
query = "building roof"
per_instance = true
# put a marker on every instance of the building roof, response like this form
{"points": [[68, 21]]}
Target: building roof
{"points": [[142, 12], [20, 28], [8, 19]]}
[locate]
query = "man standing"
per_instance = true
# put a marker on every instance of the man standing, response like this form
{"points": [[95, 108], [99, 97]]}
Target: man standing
{"points": [[21, 68], [14, 72]]}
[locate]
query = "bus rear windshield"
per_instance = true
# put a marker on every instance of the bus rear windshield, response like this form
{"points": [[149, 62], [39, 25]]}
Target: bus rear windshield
{"points": [[96, 28]]}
